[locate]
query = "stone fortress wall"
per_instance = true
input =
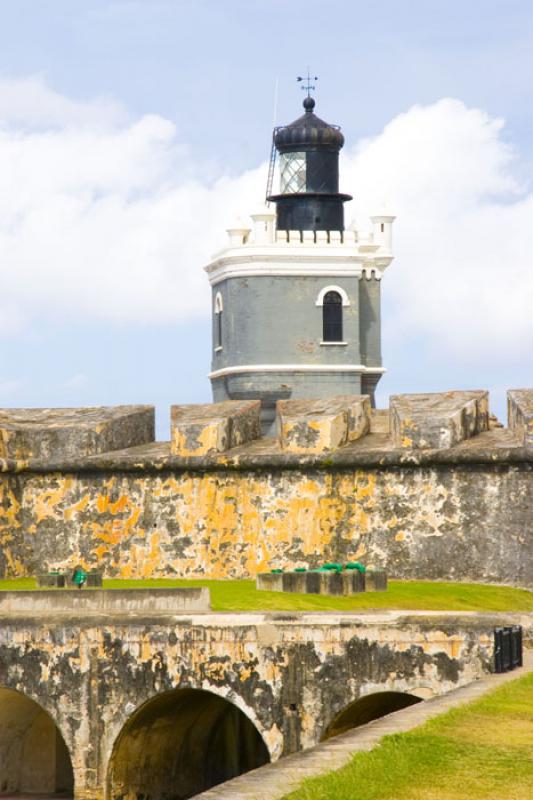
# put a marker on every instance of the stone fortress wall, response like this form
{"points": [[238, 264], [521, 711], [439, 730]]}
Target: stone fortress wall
{"points": [[431, 489]]}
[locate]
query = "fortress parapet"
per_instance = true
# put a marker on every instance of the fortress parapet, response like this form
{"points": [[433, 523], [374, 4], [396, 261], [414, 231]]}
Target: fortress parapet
{"points": [[520, 411], [316, 426], [439, 421], [44, 433], [432, 488], [198, 430], [443, 426]]}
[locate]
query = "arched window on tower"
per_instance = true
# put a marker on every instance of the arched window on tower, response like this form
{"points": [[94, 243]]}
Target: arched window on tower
{"points": [[332, 317], [218, 321]]}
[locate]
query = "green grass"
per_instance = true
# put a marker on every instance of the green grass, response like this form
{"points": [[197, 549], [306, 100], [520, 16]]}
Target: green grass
{"points": [[411, 595], [480, 750]]}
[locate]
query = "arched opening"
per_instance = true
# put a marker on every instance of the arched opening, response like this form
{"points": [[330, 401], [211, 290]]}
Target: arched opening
{"points": [[219, 308], [367, 708], [33, 755], [181, 743], [332, 317]]}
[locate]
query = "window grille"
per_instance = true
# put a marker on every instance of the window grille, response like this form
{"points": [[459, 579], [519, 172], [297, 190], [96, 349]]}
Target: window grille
{"points": [[292, 173], [332, 317]]}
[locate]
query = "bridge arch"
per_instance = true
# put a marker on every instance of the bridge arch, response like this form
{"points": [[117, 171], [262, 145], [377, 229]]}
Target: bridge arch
{"points": [[182, 742], [366, 708], [34, 758]]}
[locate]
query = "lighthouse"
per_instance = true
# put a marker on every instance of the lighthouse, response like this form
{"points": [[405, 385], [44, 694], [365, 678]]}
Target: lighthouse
{"points": [[296, 297]]}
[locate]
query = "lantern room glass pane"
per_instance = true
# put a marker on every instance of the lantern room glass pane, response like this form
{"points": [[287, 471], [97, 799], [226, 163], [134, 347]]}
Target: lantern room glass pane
{"points": [[292, 173]]}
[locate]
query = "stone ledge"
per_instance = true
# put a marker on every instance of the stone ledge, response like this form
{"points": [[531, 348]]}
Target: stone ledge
{"points": [[317, 426], [51, 433], [71, 602], [491, 450], [199, 430], [437, 421], [520, 412]]}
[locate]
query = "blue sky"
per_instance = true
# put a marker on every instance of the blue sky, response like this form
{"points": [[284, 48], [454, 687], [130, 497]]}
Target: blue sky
{"points": [[135, 128]]}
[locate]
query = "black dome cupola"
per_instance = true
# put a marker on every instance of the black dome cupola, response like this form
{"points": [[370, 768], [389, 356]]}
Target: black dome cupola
{"points": [[309, 198]]}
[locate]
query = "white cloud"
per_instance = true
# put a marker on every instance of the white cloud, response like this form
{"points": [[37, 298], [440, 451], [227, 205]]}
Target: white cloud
{"points": [[29, 102], [463, 236], [103, 218]]}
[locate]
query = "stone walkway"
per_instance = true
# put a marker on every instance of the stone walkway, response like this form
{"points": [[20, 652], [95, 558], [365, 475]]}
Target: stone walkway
{"points": [[274, 781]]}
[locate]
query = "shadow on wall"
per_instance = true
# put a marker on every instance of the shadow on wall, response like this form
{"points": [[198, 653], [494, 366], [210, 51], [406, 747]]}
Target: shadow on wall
{"points": [[33, 756], [367, 708], [181, 743]]}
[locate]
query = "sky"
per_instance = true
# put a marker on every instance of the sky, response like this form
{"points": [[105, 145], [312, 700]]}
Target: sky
{"points": [[133, 132]]}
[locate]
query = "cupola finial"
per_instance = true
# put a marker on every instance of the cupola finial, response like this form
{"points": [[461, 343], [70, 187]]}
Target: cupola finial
{"points": [[308, 87]]}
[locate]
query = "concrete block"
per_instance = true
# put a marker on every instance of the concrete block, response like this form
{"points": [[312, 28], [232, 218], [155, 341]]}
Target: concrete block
{"points": [[520, 414], [52, 433], [330, 583], [197, 430], [357, 581], [316, 426], [95, 579], [376, 580], [269, 581], [51, 580], [294, 582], [439, 421]]}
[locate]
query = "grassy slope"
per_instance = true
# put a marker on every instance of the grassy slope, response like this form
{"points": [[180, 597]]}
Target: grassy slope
{"points": [[481, 750], [422, 595]]}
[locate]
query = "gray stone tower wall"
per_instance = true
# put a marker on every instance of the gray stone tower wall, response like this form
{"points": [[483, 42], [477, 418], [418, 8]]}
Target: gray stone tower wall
{"points": [[370, 321], [275, 321]]}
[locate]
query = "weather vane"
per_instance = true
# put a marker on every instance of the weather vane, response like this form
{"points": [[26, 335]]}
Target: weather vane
{"points": [[308, 87]]}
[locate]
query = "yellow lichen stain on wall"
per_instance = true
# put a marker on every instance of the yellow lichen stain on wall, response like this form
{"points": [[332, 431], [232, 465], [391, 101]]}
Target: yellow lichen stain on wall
{"points": [[9, 506], [81, 505], [232, 523], [46, 501]]}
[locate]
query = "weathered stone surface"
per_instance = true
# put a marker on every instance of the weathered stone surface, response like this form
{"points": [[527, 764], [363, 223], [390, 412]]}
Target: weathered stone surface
{"points": [[379, 420], [197, 430], [467, 522], [463, 513], [67, 602], [440, 420], [276, 781], [110, 682], [376, 580], [269, 581], [47, 433], [316, 426], [520, 412]]}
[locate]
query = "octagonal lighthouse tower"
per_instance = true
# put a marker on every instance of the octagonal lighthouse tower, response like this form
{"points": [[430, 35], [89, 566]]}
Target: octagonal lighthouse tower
{"points": [[296, 296]]}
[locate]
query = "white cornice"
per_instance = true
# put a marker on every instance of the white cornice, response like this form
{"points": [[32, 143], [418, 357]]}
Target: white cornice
{"points": [[294, 260], [238, 370], [319, 271], [308, 256]]}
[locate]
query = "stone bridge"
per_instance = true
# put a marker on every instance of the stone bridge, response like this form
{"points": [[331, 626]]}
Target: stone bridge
{"points": [[148, 694]]}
